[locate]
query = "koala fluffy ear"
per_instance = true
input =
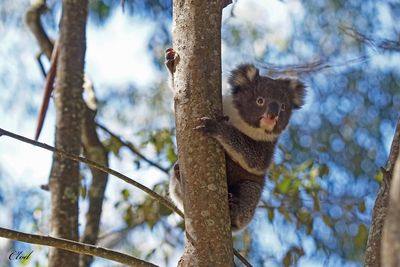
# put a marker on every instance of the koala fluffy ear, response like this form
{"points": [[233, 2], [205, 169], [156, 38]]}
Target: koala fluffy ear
{"points": [[298, 92], [243, 75]]}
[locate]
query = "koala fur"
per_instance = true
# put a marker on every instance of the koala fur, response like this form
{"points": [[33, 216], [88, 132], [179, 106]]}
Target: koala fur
{"points": [[258, 110]]}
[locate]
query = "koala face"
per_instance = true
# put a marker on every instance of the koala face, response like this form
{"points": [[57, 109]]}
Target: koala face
{"points": [[263, 102]]}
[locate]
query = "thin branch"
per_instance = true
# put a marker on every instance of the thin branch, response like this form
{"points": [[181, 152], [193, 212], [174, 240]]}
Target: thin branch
{"points": [[133, 149], [95, 165], [39, 61], [73, 246], [384, 44], [308, 68], [48, 89], [241, 258]]}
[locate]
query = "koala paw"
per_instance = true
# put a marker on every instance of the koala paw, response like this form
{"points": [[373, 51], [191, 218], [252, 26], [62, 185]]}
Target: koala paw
{"points": [[171, 60], [208, 126]]}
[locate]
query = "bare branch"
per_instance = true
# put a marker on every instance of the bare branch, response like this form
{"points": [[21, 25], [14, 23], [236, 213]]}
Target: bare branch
{"points": [[384, 44], [93, 150], [73, 246], [308, 68], [48, 89], [95, 165], [32, 19], [133, 149]]}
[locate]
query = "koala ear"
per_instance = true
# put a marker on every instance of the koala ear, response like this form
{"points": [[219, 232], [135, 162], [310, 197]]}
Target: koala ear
{"points": [[243, 75], [298, 92]]}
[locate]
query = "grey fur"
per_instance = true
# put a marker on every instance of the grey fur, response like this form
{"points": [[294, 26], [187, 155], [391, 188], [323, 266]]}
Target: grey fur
{"points": [[249, 146]]}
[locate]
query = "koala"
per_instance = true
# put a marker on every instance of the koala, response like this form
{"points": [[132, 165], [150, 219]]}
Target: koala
{"points": [[256, 111]]}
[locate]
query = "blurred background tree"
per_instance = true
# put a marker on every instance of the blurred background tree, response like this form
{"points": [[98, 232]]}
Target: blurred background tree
{"points": [[317, 205]]}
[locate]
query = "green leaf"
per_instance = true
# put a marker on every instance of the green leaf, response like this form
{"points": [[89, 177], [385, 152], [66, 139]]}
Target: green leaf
{"points": [[129, 216], [125, 194], [317, 205], [283, 186], [114, 145], [304, 217], [361, 237], [283, 210], [171, 155], [117, 204], [327, 220], [323, 170], [379, 176], [287, 260], [361, 206], [270, 214], [83, 191], [305, 165]]}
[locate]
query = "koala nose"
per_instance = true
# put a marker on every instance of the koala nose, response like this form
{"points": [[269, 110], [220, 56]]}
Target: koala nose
{"points": [[273, 110]]}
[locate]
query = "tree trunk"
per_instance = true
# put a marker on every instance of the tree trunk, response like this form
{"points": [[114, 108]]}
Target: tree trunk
{"points": [[197, 85], [373, 257], [390, 245], [64, 177]]}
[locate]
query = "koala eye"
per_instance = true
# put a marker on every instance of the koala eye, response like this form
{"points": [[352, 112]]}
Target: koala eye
{"points": [[260, 101], [283, 107]]}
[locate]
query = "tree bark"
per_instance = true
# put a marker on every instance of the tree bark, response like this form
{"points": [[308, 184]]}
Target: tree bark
{"points": [[197, 86], [373, 257], [94, 149], [64, 177], [390, 245]]}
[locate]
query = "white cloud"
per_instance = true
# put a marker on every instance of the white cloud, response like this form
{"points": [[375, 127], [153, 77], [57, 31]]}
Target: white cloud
{"points": [[117, 53]]}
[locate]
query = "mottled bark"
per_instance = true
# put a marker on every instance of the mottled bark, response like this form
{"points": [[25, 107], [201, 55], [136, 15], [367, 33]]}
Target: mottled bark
{"points": [[390, 250], [93, 148], [373, 251], [64, 177], [197, 86], [75, 247]]}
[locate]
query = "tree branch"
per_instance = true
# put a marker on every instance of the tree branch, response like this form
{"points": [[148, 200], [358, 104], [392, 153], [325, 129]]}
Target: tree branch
{"points": [[74, 246], [95, 165], [373, 251], [95, 151], [384, 44], [48, 89], [309, 67]]}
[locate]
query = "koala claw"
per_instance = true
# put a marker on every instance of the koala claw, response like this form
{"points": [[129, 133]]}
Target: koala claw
{"points": [[207, 125], [171, 60]]}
